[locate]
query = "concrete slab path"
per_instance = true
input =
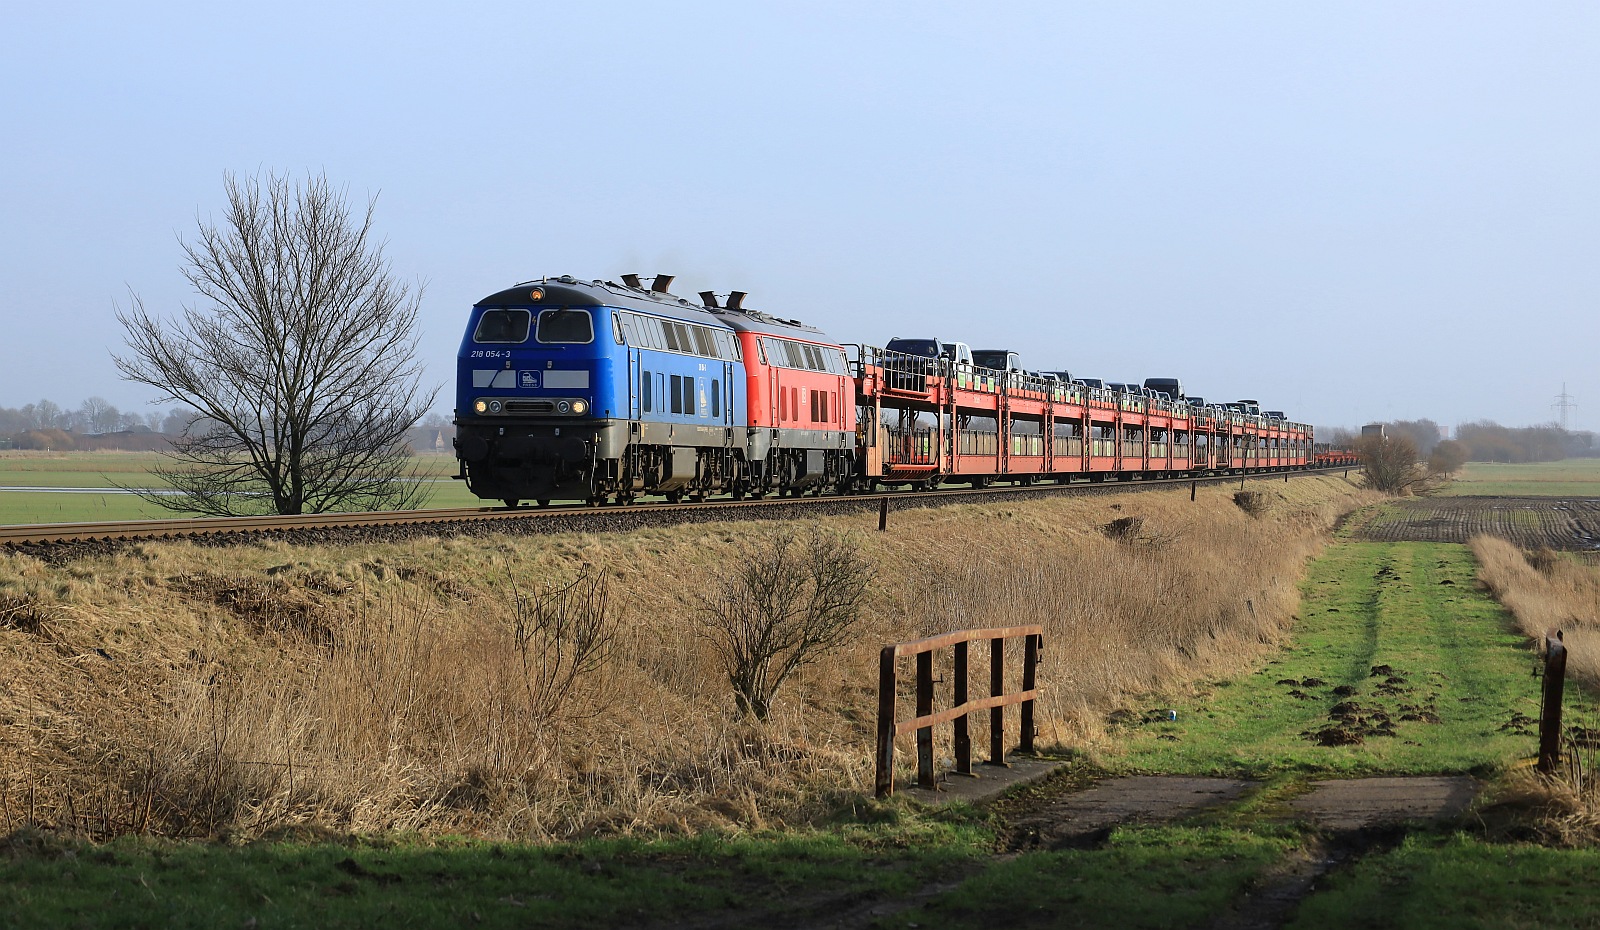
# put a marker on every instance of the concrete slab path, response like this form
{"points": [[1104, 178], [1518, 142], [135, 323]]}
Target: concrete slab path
{"points": [[1083, 816], [1357, 803]]}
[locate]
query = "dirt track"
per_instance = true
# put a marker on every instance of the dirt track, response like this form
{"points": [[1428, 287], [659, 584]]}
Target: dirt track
{"points": [[1531, 522]]}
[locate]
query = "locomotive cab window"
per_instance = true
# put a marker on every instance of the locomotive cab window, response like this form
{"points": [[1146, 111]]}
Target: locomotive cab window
{"points": [[557, 326], [502, 326]]}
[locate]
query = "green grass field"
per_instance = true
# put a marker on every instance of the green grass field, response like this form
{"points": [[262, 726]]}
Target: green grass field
{"points": [[1568, 478], [27, 471], [1446, 654]]}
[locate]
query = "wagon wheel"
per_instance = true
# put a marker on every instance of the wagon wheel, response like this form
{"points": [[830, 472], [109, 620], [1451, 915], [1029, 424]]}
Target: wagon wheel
{"points": [[512, 503]]}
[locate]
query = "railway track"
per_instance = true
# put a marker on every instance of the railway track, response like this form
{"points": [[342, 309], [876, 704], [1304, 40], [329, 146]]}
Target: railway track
{"points": [[66, 541]]}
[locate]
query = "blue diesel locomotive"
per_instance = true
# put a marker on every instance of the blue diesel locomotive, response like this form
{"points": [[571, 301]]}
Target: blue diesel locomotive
{"points": [[591, 390]]}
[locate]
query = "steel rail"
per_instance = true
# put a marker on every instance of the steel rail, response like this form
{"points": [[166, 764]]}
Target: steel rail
{"points": [[133, 530]]}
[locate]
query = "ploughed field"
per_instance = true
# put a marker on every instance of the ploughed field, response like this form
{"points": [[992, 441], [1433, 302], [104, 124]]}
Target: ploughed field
{"points": [[1529, 522]]}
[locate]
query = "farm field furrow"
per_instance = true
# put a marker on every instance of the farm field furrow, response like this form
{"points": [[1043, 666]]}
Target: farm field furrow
{"points": [[1530, 522]]}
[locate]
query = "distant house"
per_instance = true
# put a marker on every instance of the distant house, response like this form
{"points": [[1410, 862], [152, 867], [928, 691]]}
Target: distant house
{"points": [[1373, 429]]}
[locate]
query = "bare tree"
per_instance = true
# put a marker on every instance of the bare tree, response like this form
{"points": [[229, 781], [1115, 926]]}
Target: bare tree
{"points": [[1390, 462], [782, 607], [46, 415], [299, 365], [1447, 458], [98, 415]]}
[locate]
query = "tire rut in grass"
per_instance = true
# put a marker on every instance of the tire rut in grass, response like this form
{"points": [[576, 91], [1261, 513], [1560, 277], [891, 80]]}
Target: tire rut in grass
{"points": [[1272, 903]]}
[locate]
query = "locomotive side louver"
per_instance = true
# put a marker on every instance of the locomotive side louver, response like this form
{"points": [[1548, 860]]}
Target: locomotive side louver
{"points": [[661, 283]]}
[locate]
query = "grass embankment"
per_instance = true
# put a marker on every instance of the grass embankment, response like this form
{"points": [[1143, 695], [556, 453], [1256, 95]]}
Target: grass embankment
{"points": [[191, 690], [51, 472], [1567, 478], [1447, 640]]}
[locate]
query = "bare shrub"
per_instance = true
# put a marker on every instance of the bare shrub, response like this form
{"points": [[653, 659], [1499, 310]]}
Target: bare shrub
{"points": [[794, 598], [1389, 462], [562, 634]]}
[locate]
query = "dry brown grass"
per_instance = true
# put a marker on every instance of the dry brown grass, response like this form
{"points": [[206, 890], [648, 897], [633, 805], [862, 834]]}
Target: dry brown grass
{"points": [[1547, 590], [198, 691]]}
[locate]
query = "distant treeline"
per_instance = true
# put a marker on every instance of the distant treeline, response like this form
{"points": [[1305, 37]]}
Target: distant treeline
{"points": [[1487, 441], [98, 424]]}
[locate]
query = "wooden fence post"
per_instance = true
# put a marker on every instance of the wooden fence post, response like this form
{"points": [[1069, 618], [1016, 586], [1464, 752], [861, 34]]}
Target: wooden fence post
{"points": [[1555, 675]]}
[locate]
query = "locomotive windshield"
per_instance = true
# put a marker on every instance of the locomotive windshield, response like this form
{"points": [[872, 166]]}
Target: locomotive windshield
{"points": [[565, 326], [502, 326]]}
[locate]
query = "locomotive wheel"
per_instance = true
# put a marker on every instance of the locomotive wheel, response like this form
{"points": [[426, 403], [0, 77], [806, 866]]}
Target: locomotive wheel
{"points": [[543, 502], [512, 503]]}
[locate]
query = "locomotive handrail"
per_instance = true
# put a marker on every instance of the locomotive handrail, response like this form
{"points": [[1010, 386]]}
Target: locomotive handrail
{"points": [[961, 705]]}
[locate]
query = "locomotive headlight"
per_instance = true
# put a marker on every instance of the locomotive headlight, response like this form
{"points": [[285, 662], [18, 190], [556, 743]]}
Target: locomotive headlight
{"points": [[495, 406], [579, 406], [536, 294], [563, 407], [481, 406]]}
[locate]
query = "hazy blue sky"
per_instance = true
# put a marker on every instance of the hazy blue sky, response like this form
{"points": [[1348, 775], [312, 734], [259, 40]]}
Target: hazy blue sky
{"points": [[1351, 211]]}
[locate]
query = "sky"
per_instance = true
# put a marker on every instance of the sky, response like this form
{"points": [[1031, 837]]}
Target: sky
{"points": [[1351, 211]]}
